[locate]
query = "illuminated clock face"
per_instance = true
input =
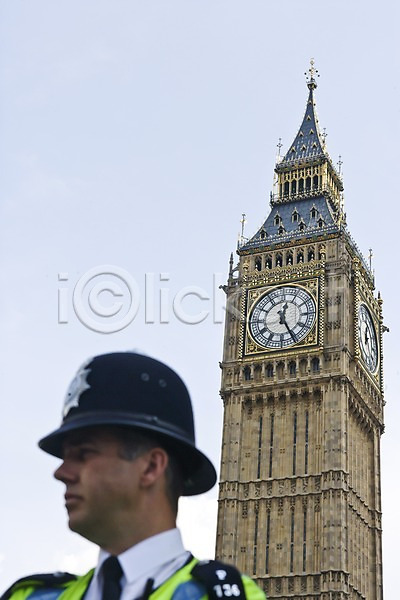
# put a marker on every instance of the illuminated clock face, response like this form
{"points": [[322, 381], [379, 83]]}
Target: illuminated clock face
{"points": [[282, 317], [367, 338]]}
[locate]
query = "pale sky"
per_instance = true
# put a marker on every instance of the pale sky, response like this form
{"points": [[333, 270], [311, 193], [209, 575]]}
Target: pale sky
{"points": [[135, 134]]}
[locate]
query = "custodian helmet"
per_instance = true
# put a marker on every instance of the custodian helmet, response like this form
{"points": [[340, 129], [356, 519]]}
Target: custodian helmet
{"points": [[136, 391]]}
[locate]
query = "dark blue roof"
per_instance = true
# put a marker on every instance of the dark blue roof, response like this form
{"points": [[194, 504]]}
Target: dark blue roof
{"points": [[301, 218], [307, 143]]}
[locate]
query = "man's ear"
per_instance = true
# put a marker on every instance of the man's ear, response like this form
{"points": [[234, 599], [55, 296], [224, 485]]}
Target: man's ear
{"points": [[155, 465]]}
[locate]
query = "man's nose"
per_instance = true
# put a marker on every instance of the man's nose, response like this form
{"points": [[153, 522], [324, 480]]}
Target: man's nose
{"points": [[65, 472]]}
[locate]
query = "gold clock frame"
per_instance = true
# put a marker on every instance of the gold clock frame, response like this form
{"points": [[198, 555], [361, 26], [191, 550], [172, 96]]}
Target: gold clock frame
{"points": [[314, 285]]}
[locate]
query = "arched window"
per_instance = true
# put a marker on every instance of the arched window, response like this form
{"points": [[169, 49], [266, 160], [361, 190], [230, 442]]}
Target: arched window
{"points": [[292, 368], [301, 185], [257, 373], [302, 226], [308, 184], [278, 260], [270, 370], [277, 219], [295, 216], [313, 212], [315, 365], [303, 366], [286, 188], [300, 256], [268, 261], [289, 258], [321, 222], [257, 263], [263, 234], [315, 182], [311, 254], [294, 186], [281, 230], [247, 373], [280, 370]]}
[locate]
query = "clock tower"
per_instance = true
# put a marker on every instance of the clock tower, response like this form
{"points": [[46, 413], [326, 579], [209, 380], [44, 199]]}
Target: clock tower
{"points": [[299, 498]]}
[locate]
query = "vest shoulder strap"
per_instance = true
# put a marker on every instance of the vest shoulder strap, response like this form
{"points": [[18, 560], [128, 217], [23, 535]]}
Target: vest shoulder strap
{"points": [[40, 580]]}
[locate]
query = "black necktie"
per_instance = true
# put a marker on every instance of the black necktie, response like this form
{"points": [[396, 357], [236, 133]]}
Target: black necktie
{"points": [[112, 574]]}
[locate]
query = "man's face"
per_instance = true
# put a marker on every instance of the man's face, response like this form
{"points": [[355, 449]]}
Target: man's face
{"points": [[102, 494]]}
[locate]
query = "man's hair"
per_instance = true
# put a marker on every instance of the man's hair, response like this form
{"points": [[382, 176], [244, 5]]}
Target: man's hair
{"points": [[134, 443]]}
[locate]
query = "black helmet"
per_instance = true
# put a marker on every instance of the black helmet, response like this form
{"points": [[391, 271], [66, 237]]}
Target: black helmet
{"points": [[136, 391]]}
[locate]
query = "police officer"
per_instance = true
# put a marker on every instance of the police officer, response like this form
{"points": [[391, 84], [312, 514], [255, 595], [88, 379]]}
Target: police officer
{"points": [[128, 452]]}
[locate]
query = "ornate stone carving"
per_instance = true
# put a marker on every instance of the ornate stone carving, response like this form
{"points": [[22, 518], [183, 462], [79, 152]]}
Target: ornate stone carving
{"points": [[334, 301], [280, 506]]}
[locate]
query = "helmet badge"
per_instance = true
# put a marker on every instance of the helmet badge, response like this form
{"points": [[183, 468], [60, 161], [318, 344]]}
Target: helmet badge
{"points": [[77, 387]]}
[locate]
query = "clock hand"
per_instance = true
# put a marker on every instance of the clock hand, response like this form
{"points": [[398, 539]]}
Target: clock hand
{"points": [[282, 320], [369, 343], [282, 314], [290, 331]]}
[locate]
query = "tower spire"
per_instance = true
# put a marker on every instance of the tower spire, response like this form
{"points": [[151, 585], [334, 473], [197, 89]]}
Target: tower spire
{"points": [[306, 170], [309, 142]]}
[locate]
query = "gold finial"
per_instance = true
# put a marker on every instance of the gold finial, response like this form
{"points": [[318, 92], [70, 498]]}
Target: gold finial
{"points": [[279, 146], [312, 70], [311, 75], [370, 259]]}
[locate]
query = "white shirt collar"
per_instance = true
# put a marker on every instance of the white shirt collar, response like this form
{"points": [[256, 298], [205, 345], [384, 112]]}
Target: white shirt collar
{"points": [[147, 556], [157, 558]]}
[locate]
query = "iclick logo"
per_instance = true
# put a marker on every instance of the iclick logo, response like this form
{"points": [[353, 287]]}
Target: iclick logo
{"points": [[107, 299]]}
